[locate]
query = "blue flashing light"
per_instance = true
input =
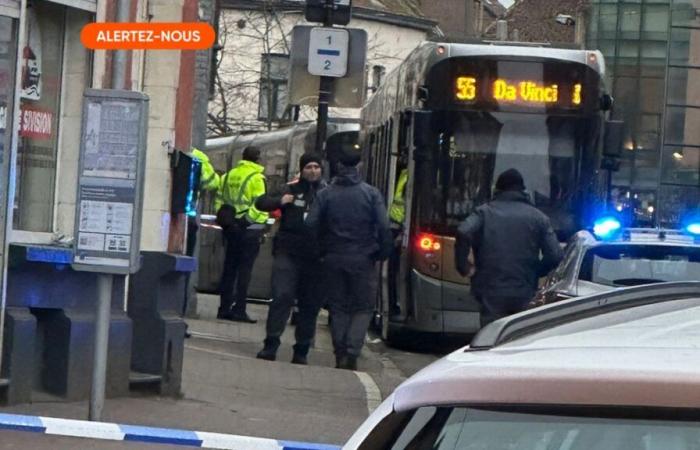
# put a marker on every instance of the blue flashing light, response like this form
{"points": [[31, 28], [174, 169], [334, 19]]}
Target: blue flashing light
{"points": [[693, 228], [606, 227], [191, 201]]}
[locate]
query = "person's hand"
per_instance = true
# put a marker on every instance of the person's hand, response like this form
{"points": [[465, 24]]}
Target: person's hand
{"points": [[466, 269], [286, 199]]}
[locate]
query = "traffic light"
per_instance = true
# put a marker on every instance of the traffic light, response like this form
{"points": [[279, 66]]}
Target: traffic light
{"points": [[316, 11]]}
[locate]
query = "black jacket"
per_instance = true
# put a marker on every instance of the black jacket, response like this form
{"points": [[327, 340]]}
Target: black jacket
{"points": [[350, 218], [293, 237], [507, 235]]}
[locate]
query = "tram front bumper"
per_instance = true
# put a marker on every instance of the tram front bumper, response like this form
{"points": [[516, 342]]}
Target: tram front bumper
{"points": [[441, 307]]}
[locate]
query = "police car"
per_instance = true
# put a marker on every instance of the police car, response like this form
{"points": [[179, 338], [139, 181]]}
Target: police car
{"points": [[613, 371], [610, 256]]}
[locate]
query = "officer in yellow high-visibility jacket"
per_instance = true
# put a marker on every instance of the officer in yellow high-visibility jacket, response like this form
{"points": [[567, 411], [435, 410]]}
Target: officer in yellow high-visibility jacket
{"points": [[208, 181], [397, 215], [240, 187]]}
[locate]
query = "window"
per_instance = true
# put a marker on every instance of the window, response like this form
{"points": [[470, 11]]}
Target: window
{"points": [[631, 265], [273, 87], [455, 428], [39, 105]]}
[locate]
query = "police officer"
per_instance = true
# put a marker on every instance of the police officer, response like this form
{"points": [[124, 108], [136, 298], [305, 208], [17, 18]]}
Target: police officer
{"points": [[351, 221], [397, 214], [507, 236], [296, 270], [240, 188]]}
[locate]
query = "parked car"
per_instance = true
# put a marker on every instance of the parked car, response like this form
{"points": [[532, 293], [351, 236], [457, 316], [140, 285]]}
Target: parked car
{"points": [[613, 371], [629, 257]]}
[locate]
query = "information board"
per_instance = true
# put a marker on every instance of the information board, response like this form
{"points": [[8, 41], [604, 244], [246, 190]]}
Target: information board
{"points": [[110, 181]]}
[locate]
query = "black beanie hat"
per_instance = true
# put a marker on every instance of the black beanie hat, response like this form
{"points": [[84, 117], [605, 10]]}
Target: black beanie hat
{"points": [[308, 158], [251, 153], [350, 156], [510, 180]]}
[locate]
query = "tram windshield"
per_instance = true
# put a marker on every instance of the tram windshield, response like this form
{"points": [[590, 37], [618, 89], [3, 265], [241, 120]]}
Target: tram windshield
{"points": [[475, 147]]}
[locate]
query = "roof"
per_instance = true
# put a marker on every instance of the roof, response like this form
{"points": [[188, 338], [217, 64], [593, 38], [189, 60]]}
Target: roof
{"points": [[403, 7], [642, 236], [642, 355], [535, 20], [396, 12]]}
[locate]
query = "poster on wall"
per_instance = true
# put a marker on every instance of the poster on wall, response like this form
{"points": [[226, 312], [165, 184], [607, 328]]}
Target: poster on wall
{"points": [[31, 59]]}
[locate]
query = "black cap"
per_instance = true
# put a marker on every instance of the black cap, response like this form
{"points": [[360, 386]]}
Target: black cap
{"points": [[308, 158], [251, 153], [510, 180], [350, 156]]}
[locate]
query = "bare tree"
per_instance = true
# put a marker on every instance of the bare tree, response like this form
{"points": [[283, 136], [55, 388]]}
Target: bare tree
{"points": [[242, 71]]}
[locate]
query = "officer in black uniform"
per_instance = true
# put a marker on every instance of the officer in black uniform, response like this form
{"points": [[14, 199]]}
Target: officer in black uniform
{"points": [[351, 220], [296, 270]]}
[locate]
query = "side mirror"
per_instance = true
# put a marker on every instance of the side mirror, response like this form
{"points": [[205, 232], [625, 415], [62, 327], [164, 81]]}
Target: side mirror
{"points": [[613, 138], [422, 130]]}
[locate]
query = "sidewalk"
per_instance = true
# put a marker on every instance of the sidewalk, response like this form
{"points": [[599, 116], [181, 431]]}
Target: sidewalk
{"points": [[226, 390]]}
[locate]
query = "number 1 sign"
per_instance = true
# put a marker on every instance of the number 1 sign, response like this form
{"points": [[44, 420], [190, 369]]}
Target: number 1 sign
{"points": [[328, 52]]}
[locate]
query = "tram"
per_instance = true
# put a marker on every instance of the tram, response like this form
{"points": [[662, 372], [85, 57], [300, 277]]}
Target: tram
{"points": [[457, 115], [280, 152]]}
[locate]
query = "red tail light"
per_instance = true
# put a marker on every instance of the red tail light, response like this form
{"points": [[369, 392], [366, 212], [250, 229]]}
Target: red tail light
{"points": [[428, 243]]}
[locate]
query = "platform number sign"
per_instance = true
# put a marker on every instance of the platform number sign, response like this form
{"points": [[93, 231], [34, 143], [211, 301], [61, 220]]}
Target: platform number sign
{"points": [[328, 52]]}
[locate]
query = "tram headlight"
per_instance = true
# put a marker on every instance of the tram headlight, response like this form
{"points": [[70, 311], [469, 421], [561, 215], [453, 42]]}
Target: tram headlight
{"points": [[606, 227]]}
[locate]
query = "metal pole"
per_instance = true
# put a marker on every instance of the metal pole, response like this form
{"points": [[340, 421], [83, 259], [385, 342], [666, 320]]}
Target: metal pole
{"points": [[324, 92], [12, 161], [119, 56], [104, 280], [99, 367]]}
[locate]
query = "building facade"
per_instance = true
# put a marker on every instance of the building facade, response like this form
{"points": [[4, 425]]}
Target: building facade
{"points": [[652, 49], [250, 85]]}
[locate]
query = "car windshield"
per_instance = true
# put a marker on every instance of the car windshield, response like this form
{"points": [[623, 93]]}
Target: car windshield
{"points": [[630, 265], [455, 428]]}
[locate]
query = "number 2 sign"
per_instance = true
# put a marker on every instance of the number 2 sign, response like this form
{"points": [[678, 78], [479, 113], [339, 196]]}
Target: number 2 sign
{"points": [[328, 52]]}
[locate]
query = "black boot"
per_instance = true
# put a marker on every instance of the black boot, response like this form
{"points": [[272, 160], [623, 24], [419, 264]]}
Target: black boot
{"points": [[351, 363], [300, 353], [341, 361], [269, 351], [298, 358]]}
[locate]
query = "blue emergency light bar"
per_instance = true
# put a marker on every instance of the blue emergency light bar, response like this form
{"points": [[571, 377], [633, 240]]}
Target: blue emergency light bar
{"points": [[606, 227], [693, 228]]}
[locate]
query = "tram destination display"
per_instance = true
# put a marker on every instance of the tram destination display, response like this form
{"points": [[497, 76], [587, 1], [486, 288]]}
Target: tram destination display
{"points": [[505, 85]]}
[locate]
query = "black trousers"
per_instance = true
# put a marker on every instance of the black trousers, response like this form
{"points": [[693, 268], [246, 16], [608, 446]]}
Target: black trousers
{"points": [[242, 248], [497, 307], [294, 278], [192, 229], [351, 285]]}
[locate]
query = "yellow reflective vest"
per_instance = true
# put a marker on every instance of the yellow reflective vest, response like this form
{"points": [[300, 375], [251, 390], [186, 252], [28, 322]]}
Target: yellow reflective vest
{"points": [[208, 180], [397, 211], [240, 187]]}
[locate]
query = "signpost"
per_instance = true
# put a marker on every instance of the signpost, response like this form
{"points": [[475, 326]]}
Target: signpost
{"points": [[328, 52], [347, 91], [109, 203]]}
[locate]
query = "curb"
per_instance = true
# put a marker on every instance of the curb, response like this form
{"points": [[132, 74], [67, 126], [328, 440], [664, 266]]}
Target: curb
{"points": [[133, 433]]}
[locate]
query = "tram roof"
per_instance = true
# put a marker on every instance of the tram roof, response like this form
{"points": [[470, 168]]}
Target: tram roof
{"points": [[591, 58]]}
